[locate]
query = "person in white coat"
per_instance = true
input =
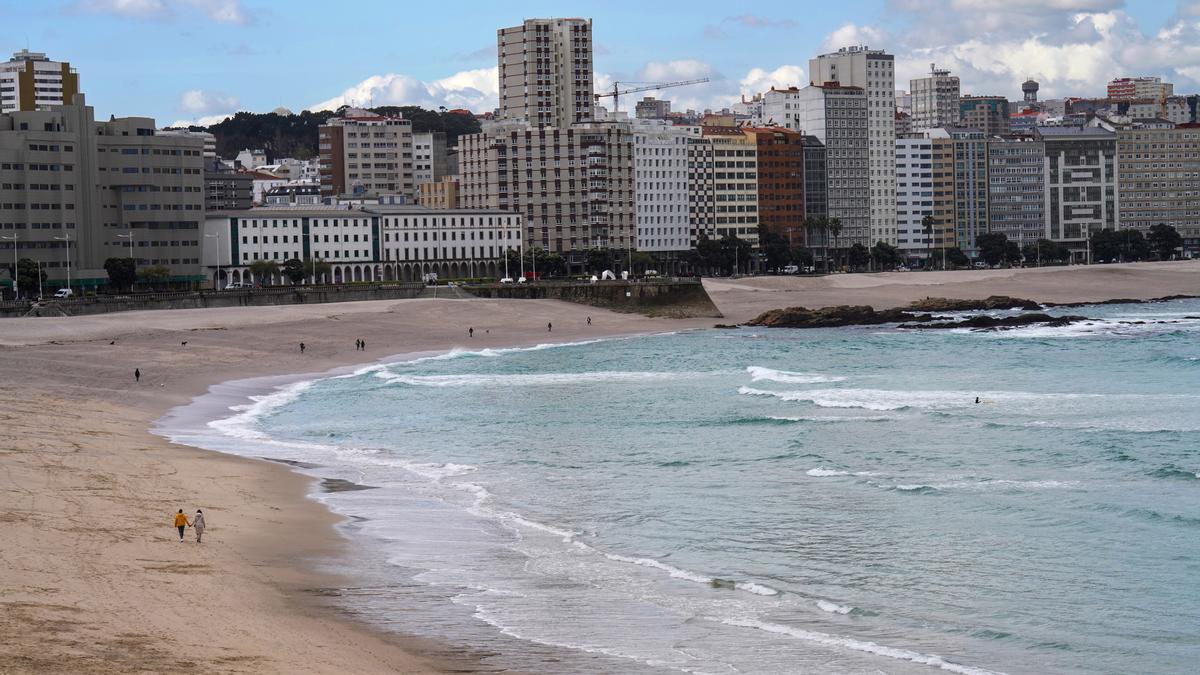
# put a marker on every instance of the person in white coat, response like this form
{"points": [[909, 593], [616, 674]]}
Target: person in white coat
{"points": [[198, 524]]}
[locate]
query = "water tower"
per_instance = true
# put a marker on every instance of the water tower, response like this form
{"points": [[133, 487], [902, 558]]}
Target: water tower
{"points": [[1030, 89]]}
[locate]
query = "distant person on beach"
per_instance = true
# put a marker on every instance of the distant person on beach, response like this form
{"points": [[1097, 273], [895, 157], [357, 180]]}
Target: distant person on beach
{"points": [[549, 327], [181, 522], [198, 524], [471, 332], [362, 344], [301, 347], [137, 375], [589, 320]]}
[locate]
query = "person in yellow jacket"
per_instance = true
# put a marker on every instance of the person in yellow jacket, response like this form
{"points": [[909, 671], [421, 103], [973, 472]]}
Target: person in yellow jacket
{"points": [[181, 522]]}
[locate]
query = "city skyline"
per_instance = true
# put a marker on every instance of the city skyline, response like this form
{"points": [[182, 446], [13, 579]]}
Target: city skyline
{"points": [[214, 57]]}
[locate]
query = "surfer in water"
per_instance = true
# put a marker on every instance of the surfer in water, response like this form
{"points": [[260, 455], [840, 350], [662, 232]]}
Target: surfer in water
{"points": [[976, 400]]}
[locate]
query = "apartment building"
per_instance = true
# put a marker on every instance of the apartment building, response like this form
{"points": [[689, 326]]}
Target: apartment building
{"points": [[914, 195], [431, 159], [1159, 179], [367, 243], [661, 184], [75, 192], [31, 81], [935, 100], [441, 194], [723, 182], [650, 108], [364, 154], [226, 189], [836, 116], [970, 187], [545, 71], [574, 185], [988, 114], [780, 180], [1080, 184], [874, 71], [1016, 188], [816, 187], [1129, 88]]}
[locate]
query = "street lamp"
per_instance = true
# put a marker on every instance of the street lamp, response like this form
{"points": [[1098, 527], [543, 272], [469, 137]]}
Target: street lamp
{"points": [[16, 288], [67, 238], [128, 236], [217, 285]]}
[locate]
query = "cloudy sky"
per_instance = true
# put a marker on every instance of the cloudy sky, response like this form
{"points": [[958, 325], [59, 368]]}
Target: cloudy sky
{"points": [[203, 59]]}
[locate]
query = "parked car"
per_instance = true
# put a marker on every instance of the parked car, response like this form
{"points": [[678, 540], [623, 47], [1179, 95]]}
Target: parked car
{"points": [[790, 269], [64, 293], [980, 265], [506, 280], [234, 285]]}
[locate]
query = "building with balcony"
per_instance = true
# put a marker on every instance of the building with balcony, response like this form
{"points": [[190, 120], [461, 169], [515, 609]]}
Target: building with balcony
{"points": [[364, 154], [935, 100], [30, 81], [723, 184], [1080, 184], [1159, 179], [1016, 185], [988, 114], [545, 71], [660, 168]]}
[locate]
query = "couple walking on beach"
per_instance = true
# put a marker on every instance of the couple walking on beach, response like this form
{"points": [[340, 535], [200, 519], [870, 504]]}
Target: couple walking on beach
{"points": [[196, 523]]}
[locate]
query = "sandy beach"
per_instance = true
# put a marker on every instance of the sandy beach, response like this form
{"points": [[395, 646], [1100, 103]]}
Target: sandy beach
{"points": [[93, 576]]}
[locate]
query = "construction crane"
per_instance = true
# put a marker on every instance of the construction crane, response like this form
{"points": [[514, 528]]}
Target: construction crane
{"points": [[617, 91]]}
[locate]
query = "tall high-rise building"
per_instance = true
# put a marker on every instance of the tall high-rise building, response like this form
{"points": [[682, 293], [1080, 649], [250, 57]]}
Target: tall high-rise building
{"points": [[1130, 88], [723, 180], [1080, 184], [935, 100], [76, 192], [988, 114], [837, 116], [31, 81], [780, 181], [545, 69], [914, 195], [874, 71], [970, 187], [661, 187], [1016, 184], [1160, 178], [366, 154]]}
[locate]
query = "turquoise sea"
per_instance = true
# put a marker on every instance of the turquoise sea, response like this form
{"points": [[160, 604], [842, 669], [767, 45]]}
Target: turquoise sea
{"points": [[773, 500]]}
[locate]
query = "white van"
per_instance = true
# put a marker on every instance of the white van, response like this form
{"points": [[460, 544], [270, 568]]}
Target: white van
{"points": [[64, 293]]}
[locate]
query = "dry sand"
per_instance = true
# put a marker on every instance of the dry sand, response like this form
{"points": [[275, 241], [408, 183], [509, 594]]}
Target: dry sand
{"points": [[743, 299], [92, 576]]}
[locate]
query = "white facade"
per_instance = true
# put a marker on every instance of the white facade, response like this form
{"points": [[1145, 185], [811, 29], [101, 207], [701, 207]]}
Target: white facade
{"points": [[914, 194], [429, 157], [54, 83], [780, 108], [935, 101], [210, 141], [874, 71], [378, 243], [660, 169]]}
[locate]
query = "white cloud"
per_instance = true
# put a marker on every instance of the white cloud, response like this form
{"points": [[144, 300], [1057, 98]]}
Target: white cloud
{"points": [[200, 102], [476, 90], [203, 121], [221, 11], [851, 35], [759, 80]]}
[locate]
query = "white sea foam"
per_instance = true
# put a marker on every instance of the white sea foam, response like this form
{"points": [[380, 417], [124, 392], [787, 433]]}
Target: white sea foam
{"points": [[671, 570], [831, 418], [838, 641], [821, 472], [760, 373], [757, 589], [888, 400], [833, 607]]}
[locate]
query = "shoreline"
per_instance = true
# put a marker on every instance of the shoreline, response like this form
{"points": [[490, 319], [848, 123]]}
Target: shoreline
{"points": [[96, 583], [257, 601]]}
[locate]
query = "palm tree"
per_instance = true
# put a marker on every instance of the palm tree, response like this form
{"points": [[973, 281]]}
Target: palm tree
{"points": [[835, 229], [927, 228]]}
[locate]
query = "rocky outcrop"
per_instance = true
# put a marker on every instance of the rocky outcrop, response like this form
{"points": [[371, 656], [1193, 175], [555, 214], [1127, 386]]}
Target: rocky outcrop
{"points": [[999, 323], [1123, 301], [955, 305], [833, 317]]}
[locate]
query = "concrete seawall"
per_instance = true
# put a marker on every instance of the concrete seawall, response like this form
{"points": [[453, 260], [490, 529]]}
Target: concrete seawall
{"points": [[676, 298], [301, 295]]}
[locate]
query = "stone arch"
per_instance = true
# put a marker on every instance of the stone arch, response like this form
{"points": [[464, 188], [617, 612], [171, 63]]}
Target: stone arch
{"points": [[444, 271], [337, 274]]}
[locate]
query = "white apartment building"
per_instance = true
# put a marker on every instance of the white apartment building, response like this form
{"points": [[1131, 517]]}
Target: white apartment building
{"points": [[837, 116], [1130, 88], [660, 188], [31, 81], [723, 184], [430, 162], [545, 70], [914, 195], [375, 243], [1080, 184], [935, 100], [874, 71]]}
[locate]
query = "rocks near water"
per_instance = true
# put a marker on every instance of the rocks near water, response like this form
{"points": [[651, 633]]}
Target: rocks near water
{"points": [[985, 322], [955, 305], [833, 317], [916, 315]]}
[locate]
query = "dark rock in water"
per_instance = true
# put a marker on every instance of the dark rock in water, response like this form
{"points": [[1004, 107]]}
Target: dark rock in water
{"points": [[994, 323], [1122, 301], [992, 302], [832, 317], [339, 485], [725, 325]]}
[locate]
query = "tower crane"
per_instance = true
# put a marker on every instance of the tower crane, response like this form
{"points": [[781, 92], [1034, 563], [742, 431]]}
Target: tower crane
{"points": [[617, 91]]}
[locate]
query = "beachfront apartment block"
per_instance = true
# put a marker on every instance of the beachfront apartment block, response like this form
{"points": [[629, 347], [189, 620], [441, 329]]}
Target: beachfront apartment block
{"points": [[873, 70], [75, 192], [366, 155], [545, 71], [661, 184], [723, 184], [1080, 184], [780, 155], [1016, 188], [573, 185], [1159, 178], [31, 81], [360, 243]]}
